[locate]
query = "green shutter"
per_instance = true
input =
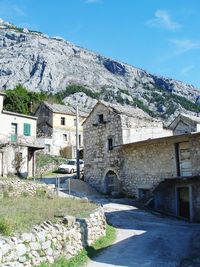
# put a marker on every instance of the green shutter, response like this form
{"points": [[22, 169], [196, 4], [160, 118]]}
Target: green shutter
{"points": [[27, 129]]}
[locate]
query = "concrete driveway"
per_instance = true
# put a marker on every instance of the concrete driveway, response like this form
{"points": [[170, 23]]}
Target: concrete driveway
{"points": [[144, 239]]}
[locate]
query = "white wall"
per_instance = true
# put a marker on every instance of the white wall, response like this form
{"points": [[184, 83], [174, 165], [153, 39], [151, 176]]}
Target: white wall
{"points": [[7, 118], [143, 133]]}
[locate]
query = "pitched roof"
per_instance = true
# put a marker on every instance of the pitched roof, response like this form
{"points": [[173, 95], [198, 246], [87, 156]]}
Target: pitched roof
{"points": [[125, 110], [58, 108], [192, 118], [128, 110]]}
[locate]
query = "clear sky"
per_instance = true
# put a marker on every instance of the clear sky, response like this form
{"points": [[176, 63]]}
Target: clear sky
{"points": [[160, 36]]}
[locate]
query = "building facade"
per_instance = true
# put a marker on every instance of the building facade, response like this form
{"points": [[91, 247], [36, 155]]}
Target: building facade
{"points": [[17, 142], [136, 164], [57, 129]]}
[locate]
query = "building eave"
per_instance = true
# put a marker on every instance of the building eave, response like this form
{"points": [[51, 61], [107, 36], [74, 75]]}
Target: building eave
{"points": [[19, 115]]}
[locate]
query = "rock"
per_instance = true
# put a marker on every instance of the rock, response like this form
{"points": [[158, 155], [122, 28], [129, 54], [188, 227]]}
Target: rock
{"points": [[21, 249], [42, 63], [46, 245], [69, 220], [27, 237]]}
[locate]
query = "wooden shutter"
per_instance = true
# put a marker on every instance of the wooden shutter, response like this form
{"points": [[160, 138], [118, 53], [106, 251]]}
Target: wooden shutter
{"points": [[27, 129]]}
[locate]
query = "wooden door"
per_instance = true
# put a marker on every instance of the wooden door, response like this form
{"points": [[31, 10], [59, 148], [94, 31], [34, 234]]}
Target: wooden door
{"points": [[183, 202], [184, 159]]}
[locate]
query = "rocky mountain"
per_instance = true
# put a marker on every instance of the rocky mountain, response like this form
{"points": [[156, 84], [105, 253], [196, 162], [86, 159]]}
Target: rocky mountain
{"points": [[43, 63]]}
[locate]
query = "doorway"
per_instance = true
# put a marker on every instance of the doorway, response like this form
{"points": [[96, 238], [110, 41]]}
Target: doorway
{"points": [[184, 202], [112, 184]]}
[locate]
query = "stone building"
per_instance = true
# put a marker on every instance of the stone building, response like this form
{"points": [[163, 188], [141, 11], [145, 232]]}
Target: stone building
{"points": [[140, 163], [57, 129], [17, 142], [185, 124]]}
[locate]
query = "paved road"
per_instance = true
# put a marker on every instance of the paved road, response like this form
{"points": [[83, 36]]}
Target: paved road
{"points": [[144, 239]]}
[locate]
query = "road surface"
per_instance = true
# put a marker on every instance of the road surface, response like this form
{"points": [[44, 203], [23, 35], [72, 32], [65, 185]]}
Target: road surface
{"points": [[145, 239]]}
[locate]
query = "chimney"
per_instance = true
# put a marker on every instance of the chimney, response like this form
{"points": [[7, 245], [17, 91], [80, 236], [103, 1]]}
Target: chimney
{"points": [[30, 107]]}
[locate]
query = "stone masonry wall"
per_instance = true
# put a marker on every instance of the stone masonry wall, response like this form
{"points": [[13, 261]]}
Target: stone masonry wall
{"points": [[15, 187], [144, 166], [98, 159], [48, 242], [195, 155]]}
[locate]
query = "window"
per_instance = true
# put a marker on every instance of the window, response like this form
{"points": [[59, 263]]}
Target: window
{"points": [[47, 148], [65, 137], [62, 121], [27, 129], [13, 132], [110, 143], [100, 118]]}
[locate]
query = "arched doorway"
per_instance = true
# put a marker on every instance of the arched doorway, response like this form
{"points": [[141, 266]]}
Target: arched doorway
{"points": [[112, 184]]}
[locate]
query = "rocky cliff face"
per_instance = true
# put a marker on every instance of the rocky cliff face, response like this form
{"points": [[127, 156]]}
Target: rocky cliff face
{"points": [[41, 63]]}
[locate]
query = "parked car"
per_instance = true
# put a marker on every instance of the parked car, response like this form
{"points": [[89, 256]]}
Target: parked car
{"points": [[70, 166]]}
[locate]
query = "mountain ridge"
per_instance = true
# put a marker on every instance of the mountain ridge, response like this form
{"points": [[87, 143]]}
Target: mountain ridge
{"points": [[43, 63]]}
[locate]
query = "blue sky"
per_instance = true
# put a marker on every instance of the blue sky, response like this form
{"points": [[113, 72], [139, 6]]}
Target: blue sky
{"points": [[160, 36]]}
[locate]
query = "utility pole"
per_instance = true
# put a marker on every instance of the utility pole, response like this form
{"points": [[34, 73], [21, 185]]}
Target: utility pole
{"points": [[77, 144]]}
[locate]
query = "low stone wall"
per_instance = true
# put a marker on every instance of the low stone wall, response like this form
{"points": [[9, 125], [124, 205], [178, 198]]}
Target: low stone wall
{"points": [[15, 187], [47, 242], [47, 168]]}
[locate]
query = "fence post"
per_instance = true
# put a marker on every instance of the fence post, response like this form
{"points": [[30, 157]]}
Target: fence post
{"points": [[69, 185]]}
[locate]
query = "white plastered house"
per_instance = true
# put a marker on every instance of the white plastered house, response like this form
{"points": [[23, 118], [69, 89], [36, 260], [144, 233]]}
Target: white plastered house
{"points": [[17, 142]]}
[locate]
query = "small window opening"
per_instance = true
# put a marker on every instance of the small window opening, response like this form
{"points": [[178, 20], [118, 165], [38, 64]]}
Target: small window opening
{"points": [[100, 118], [65, 137], [110, 143], [62, 121]]}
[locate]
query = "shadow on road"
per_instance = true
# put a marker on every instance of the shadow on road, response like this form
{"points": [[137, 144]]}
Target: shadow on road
{"points": [[144, 240]]}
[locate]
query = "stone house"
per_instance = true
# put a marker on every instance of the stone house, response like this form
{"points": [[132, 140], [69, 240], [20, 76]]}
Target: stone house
{"points": [[57, 129], [185, 124], [141, 165], [17, 142]]}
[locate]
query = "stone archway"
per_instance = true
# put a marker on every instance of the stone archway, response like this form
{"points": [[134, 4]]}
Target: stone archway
{"points": [[112, 184]]}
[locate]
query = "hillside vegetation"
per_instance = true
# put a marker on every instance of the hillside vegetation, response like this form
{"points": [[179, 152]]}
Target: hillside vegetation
{"points": [[157, 102]]}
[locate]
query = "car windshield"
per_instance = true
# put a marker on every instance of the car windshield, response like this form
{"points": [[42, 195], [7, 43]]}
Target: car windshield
{"points": [[71, 162]]}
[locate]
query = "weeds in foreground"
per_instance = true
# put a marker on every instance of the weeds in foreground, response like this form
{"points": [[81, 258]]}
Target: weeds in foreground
{"points": [[22, 213]]}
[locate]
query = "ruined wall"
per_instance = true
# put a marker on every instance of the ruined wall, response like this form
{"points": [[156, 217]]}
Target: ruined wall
{"points": [[48, 242]]}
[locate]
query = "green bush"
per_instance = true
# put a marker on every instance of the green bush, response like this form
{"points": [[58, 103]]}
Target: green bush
{"points": [[6, 226]]}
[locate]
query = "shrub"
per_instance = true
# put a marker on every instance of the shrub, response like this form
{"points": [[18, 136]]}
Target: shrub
{"points": [[6, 226]]}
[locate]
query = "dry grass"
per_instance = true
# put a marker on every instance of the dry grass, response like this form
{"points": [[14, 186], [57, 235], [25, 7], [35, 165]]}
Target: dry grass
{"points": [[20, 214]]}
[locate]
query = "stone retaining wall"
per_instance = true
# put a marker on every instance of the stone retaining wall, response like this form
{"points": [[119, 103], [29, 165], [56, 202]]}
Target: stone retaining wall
{"points": [[15, 187], [48, 242]]}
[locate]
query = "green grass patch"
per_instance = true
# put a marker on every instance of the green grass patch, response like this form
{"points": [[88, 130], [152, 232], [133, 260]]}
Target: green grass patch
{"points": [[22, 213], [87, 253]]}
